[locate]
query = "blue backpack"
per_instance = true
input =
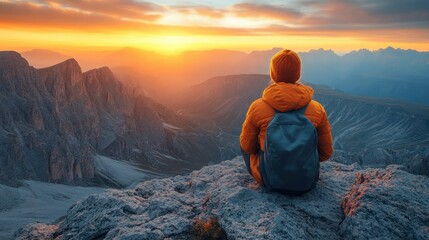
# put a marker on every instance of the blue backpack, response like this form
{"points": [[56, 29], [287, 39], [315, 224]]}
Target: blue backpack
{"points": [[290, 163]]}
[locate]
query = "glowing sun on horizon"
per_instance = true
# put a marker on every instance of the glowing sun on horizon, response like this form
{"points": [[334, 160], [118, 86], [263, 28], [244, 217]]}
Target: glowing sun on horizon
{"points": [[171, 45]]}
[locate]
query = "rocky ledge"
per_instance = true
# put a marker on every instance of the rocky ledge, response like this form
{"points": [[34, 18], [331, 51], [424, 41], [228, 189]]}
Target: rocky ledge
{"points": [[222, 201]]}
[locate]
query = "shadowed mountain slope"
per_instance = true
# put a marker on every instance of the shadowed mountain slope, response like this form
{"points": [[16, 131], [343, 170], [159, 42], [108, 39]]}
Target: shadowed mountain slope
{"points": [[358, 123], [55, 119]]}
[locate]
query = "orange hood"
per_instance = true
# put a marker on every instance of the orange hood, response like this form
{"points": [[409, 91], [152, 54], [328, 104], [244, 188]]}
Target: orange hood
{"points": [[287, 96]]}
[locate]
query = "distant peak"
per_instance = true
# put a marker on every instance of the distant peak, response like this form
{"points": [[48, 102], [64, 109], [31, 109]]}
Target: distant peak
{"points": [[39, 50], [388, 49], [364, 50], [320, 51], [262, 52]]}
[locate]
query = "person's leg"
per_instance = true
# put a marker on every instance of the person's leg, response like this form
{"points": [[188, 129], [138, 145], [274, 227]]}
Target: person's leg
{"points": [[246, 158]]}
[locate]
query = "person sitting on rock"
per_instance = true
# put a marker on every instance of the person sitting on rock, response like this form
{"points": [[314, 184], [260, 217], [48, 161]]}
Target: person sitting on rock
{"points": [[286, 134]]}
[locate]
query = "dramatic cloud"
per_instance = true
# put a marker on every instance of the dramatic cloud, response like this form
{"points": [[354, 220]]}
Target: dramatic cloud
{"points": [[27, 15], [367, 13], [381, 20], [115, 8], [300, 15], [249, 10], [200, 10]]}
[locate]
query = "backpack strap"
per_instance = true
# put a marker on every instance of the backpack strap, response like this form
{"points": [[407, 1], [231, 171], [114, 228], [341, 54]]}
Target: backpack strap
{"points": [[300, 110]]}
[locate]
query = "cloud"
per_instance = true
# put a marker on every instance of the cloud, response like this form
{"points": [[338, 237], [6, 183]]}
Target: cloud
{"points": [[357, 14], [304, 17], [115, 8], [200, 10], [249, 10], [24, 15], [47, 18]]}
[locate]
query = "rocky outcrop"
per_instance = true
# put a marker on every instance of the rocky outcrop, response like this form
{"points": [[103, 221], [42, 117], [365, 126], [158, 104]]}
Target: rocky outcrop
{"points": [[386, 204], [347, 203], [414, 160], [32, 143]]}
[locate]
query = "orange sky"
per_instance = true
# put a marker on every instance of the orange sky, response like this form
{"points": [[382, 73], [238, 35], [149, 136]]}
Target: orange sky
{"points": [[170, 27]]}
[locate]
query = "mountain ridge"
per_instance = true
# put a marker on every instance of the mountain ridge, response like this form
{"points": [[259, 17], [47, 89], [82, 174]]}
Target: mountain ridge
{"points": [[385, 73], [359, 124], [66, 116]]}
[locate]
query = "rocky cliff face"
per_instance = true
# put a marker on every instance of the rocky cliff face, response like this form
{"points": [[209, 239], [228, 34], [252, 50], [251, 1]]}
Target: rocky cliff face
{"points": [[34, 139], [348, 203], [53, 121]]}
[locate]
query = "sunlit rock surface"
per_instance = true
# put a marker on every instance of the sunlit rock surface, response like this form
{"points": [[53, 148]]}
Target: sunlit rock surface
{"points": [[347, 203]]}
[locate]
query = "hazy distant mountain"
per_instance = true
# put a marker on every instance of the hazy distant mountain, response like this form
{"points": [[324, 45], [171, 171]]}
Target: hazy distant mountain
{"points": [[40, 58], [54, 120], [384, 73], [224, 99], [164, 76], [358, 123]]}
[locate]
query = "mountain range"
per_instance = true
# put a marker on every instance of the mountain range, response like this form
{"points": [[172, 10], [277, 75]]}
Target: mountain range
{"points": [[384, 73], [359, 124], [55, 119], [41, 58], [105, 127], [60, 124]]}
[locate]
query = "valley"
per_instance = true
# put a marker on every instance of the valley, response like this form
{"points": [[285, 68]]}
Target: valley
{"points": [[55, 119], [91, 131], [359, 124]]}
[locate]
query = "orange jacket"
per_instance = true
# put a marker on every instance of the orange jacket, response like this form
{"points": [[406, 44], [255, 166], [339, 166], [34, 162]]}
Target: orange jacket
{"points": [[283, 97]]}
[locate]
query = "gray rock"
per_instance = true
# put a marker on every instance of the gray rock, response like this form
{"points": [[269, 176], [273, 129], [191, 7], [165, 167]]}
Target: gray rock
{"points": [[414, 160], [380, 203], [386, 204], [54, 120]]}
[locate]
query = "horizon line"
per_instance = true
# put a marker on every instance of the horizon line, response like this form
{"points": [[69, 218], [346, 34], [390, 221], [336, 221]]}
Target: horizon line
{"points": [[116, 49]]}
